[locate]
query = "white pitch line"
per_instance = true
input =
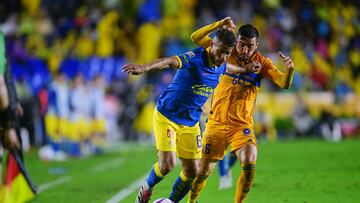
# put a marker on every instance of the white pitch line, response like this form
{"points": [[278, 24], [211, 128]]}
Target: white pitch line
{"points": [[104, 166], [54, 183], [122, 194], [107, 165]]}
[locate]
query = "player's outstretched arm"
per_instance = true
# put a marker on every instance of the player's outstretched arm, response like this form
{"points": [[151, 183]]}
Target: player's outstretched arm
{"points": [[201, 36], [286, 79], [158, 64], [252, 67]]}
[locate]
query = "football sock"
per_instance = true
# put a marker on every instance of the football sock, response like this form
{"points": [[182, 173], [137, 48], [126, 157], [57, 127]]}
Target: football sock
{"points": [[232, 160], [155, 175], [244, 182], [197, 187], [222, 167], [181, 187]]}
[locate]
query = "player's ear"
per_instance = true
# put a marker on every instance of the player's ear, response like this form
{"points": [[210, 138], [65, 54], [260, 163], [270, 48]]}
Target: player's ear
{"points": [[211, 44]]}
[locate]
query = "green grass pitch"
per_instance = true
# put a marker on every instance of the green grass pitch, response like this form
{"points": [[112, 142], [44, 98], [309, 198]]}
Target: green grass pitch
{"points": [[298, 171]]}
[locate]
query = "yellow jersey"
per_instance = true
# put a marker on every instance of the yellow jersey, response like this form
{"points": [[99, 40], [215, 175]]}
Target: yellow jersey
{"points": [[235, 96]]}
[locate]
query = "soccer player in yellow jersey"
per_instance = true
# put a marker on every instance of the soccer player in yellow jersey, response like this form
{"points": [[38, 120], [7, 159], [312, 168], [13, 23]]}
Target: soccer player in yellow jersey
{"points": [[230, 122]]}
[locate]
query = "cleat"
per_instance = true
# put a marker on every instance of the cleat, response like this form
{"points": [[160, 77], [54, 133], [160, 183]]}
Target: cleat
{"points": [[225, 181], [144, 194]]}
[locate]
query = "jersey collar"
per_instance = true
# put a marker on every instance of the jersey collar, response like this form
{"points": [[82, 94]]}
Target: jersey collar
{"points": [[209, 61]]}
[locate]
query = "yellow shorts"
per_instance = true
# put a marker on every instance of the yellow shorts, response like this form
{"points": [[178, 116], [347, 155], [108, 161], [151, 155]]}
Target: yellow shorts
{"points": [[217, 137], [99, 126], [73, 132], [169, 136], [56, 127], [79, 129], [52, 126]]}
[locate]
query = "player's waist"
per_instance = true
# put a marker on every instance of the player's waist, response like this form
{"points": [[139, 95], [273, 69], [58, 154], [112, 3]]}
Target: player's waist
{"points": [[187, 117], [238, 123], [241, 80]]}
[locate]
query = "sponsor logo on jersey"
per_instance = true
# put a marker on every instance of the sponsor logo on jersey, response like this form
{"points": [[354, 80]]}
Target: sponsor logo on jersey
{"points": [[202, 90]]}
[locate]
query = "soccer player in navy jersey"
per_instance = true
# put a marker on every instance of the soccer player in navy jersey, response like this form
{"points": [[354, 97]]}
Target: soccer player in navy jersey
{"points": [[178, 110]]}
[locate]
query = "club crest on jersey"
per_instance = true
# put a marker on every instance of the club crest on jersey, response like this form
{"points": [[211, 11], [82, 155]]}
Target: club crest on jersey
{"points": [[246, 131]]}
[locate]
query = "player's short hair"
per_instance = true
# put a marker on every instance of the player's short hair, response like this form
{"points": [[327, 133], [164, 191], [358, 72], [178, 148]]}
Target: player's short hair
{"points": [[226, 36], [248, 31]]}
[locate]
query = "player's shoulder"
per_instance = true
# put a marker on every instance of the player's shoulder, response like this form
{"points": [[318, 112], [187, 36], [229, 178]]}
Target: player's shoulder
{"points": [[192, 55], [196, 52], [261, 58]]}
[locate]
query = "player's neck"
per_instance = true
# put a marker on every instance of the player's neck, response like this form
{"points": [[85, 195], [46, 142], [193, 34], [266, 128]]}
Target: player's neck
{"points": [[209, 58]]}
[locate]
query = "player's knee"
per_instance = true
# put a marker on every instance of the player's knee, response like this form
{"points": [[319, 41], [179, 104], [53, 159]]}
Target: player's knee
{"points": [[191, 172], [203, 175], [167, 166], [250, 155], [249, 159]]}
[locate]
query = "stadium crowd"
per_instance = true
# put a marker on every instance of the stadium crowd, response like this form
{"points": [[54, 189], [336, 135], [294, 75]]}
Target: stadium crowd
{"points": [[77, 48]]}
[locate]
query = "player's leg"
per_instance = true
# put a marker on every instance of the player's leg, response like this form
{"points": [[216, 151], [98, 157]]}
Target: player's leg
{"points": [[225, 180], [166, 163], [207, 165], [214, 148], [223, 167], [184, 181], [189, 145], [226, 177], [232, 160], [165, 138], [247, 155]]}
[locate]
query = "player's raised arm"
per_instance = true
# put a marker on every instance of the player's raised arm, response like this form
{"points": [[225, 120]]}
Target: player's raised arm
{"points": [[252, 67], [285, 80], [201, 36], [158, 64]]}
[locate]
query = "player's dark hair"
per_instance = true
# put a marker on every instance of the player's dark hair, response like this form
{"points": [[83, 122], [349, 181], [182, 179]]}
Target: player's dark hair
{"points": [[248, 31], [226, 36]]}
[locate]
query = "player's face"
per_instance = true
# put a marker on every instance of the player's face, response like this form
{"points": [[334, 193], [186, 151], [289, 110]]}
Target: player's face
{"points": [[219, 52], [246, 46]]}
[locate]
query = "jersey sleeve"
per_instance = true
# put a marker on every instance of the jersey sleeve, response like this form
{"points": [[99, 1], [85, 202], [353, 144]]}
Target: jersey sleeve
{"points": [[202, 36], [186, 59], [269, 70]]}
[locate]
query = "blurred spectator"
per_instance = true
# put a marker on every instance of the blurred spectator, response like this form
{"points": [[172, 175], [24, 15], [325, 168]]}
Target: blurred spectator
{"points": [[330, 127], [28, 104], [98, 37], [303, 122]]}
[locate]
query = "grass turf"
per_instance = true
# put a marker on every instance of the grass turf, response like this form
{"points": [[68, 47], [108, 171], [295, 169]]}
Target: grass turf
{"points": [[287, 171]]}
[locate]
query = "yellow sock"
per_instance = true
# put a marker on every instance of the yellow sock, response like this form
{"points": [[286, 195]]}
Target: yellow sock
{"points": [[197, 187], [244, 182], [157, 170]]}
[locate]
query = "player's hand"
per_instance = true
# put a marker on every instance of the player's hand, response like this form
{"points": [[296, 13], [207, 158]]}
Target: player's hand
{"points": [[287, 61], [134, 69], [229, 24], [10, 140], [253, 67]]}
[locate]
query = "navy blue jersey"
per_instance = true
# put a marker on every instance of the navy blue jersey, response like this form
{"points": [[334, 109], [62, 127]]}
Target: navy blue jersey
{"points": [[193, 83]]}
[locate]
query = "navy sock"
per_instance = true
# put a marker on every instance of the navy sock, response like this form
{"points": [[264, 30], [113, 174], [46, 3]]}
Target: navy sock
{"points": [[222, 167], [153, 179], [232, 160], [180, 189]]}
